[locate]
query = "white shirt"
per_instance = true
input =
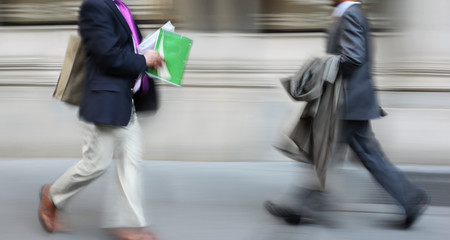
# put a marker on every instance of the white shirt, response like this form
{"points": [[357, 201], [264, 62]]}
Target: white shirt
{"points": [[342, 7]]}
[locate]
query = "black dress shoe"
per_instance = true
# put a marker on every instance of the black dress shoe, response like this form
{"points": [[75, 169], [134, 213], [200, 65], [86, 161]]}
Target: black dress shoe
{"points": [[310, 206], [286, 213], [416, 211]]}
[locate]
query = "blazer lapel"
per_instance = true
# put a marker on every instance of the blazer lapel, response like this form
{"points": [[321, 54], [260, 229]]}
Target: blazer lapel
{"points": [[119, 16]]}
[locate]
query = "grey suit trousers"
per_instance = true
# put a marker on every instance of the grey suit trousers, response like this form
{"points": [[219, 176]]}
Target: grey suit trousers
{"points": [[359, 136]]}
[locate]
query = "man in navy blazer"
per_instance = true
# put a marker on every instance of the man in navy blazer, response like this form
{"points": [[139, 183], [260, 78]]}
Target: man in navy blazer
{"points": [[349, 38], [113, 69], [112, 64]]}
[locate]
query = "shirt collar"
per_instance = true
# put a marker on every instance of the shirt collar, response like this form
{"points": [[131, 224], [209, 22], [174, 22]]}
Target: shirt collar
{"points": [[342, 7]]}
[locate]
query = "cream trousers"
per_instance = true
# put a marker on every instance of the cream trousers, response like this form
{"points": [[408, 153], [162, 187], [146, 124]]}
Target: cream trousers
{"points": [[101, 144]]}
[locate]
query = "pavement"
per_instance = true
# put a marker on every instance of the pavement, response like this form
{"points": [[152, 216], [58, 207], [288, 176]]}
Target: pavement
{"points": [[221, 200]]}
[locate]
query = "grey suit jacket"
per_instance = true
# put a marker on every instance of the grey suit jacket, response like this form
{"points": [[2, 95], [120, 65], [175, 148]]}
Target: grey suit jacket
{"points": [[312, 139], [350, 38]]}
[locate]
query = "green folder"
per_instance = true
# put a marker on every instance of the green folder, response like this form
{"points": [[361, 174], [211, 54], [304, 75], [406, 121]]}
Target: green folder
{"points": [[175, 49]]}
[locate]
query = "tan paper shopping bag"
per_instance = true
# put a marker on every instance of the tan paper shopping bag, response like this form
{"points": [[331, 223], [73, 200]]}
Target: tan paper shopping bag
{"points": [[69, 88]]}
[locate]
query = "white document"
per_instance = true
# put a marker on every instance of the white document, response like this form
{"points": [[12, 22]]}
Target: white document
{"points": [[150, 41]]}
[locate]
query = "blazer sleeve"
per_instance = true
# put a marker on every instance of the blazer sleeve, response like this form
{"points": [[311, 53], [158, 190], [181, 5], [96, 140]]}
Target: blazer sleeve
{"points": [[97, 30], [353, 41]]}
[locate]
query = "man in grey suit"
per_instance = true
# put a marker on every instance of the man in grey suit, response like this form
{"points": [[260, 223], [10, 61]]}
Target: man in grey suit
{"points": [[349, 38]]}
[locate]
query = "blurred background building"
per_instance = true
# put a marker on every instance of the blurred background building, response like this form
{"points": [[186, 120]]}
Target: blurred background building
{"points": [[204, 15], [231, 107]]}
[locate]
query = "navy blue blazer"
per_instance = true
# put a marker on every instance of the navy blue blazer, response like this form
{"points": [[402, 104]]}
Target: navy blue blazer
{"points": [[350, 38], [112, 66]]}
